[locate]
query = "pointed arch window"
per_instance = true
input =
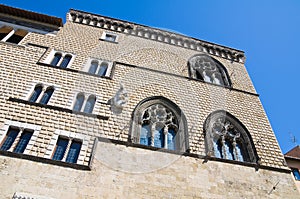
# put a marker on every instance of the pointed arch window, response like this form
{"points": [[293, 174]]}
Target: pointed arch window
{"points": [[207, 69], [83, 104], [159, 123], [227, 138], [36, 93], [60, 59]]}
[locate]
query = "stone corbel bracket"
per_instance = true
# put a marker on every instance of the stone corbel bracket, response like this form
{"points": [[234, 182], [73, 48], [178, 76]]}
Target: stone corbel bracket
{"points": [[156, 35]]}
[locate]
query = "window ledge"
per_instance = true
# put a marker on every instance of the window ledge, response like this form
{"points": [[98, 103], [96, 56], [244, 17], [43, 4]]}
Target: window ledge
{"points": [[44, 160], [72, 70], [13, 44], [114, 42], [57, 108]]}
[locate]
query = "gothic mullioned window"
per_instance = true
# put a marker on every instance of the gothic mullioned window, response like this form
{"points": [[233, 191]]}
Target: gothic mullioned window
{"points": [[99, 67], [227, 138], [60, 59], [205, 68], [45, 91], [159, 123], [84, 105]]}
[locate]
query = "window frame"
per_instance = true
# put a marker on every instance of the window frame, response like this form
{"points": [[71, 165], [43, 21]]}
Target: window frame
{"points": [[63, 54], [14, 31], [21, 127], [194, 73], [249, 150], [45, 88], [109, 70], [85, 100], [84, 139], [110, 34], [182, 136]]}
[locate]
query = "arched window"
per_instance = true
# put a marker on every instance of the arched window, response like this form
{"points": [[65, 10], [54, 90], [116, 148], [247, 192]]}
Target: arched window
{"points": [[66, 61], [47, 95], [36, 93], [93, 67], [227, 138], [103, 69], [79, 102], [160, 123], [89, 105], [207, 69], [56, 59]]}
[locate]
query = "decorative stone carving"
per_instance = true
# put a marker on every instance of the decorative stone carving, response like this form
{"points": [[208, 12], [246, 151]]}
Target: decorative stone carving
{"points": [[119, 100]]}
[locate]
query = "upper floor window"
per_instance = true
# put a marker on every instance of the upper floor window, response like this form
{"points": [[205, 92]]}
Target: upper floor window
{"points": [[227, 138], [41, 94], [12, 35], [296, 173], [84, 104], [108, 36], [67, 149], [60, 59], [160, 123], [207, 69], [16, 139], [99, 67]]}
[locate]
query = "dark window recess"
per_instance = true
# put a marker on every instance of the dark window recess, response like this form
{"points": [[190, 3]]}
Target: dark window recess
{"points": [[9, 139], [23, 142], [60, 149], [74, 152], [15, 39]]}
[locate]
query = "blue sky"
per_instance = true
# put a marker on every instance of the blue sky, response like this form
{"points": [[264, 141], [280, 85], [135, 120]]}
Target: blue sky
{"points": [[267, 30]]}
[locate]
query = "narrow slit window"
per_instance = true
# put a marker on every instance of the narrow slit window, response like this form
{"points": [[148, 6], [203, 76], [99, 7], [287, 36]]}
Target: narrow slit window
{"points": [[56, 59], [47, 95], [60, 149], [93, 67], [74, 151], [79, 102], [103, 69], [36, 93], [9, 139], [66, 61], [23, 142], [89, 106]]}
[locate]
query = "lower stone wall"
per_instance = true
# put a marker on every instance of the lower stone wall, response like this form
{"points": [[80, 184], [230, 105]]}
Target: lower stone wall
{"points": [[119, 171]]}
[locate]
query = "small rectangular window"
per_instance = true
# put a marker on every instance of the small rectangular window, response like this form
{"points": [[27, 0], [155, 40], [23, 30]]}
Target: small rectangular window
{"points": [[111, 37], [69, 147], [296, 173]]}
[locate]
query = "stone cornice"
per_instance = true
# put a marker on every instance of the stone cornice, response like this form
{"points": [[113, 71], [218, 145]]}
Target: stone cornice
{"points": [[155, 34]]}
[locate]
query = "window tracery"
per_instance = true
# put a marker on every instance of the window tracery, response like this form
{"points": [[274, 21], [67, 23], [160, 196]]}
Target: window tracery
{"points": [[207, 69], [159, 124], [226, 138]]}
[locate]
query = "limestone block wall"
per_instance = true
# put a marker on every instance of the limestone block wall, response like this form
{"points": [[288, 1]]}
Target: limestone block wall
{"points": [[119, 171]]}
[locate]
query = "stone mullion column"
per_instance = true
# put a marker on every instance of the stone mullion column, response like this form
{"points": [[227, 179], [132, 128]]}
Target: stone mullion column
{"points": [[67, 149], [166, 129], [234, 149], [223, 147], [13, 146], [153, 126]]}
